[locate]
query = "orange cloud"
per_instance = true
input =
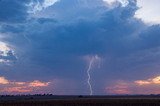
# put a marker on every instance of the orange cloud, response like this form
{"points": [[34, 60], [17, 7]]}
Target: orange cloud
{"points": [[19, 83], [155, 80], [37, 83], [142, 82], [148, 86], [20, 87], [120, 87], [3, 80]]}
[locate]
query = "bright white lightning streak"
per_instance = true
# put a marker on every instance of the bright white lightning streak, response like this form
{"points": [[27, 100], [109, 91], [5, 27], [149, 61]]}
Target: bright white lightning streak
{"points": [[89, 76]]}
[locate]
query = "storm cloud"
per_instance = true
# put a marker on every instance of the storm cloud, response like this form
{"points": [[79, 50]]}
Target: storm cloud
{"points": [[54, 41]]}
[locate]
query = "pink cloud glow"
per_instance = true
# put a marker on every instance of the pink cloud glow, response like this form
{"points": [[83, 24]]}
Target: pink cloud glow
{"points": [[21, 87], [3, 80], [155, 80], [37, 83], [120, 87], [148, 86]]}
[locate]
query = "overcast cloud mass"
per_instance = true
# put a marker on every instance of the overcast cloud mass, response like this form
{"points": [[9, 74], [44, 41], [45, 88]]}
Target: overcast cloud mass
{"points": [[46, 47]]}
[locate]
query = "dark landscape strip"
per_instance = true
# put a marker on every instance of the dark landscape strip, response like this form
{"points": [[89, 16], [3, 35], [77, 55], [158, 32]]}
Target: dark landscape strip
{"points": [[85, 102]]}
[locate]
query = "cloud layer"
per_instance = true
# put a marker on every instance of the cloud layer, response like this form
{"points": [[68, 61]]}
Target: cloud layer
{"points": [[14, 87], [149, 86]]}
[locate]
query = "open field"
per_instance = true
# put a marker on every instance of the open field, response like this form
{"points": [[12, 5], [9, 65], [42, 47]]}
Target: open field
{"points": [[80, 101]]}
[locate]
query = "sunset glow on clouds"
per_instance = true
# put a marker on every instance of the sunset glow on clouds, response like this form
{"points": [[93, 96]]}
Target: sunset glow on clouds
{"points": [[37, 83], [3, 80], [20, 87], [149, 86], [154, 81], [120, 87]]}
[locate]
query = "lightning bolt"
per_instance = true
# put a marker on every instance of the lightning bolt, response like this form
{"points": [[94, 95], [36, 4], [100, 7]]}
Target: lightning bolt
{"points": [[92, 61], [89, 76]]}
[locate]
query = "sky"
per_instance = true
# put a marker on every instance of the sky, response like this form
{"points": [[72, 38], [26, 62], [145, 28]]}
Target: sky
{"points": [[79, 47]]}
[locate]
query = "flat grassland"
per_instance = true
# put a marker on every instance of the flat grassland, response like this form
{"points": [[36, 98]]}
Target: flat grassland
{"points": [[80, 101]]}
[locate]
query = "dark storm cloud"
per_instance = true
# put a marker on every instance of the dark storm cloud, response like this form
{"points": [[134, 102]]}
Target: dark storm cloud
{"points": [[54, 41], [109, 31], [151, 36], [13, 10]]}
